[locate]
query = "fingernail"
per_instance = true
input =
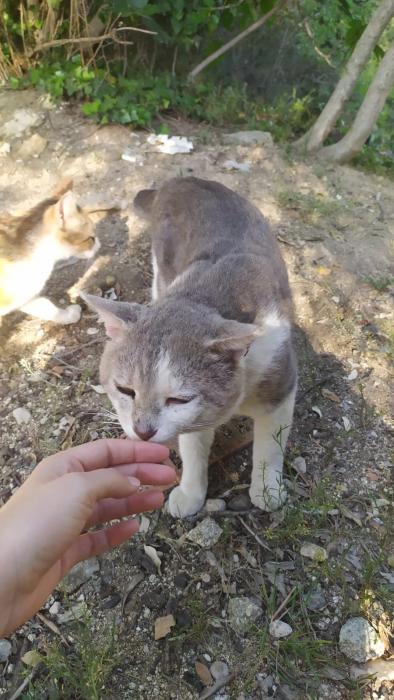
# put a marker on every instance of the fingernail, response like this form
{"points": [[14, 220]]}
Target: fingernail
{"points": [[134, 482]]}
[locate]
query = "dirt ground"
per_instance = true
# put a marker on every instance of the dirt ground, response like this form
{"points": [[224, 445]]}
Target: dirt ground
{"points": [[335, 226]]}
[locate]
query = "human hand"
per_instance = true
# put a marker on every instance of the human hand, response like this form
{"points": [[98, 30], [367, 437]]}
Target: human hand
{"points": [[42, 526]]}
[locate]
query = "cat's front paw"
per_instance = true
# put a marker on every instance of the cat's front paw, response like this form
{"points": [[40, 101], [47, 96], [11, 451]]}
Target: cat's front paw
{"points": [[268, 498], [181, 504], [71, 314]]}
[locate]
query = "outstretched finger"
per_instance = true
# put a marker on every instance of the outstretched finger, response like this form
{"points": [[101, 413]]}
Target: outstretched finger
{"points": [[99, 455], [150, 474], [115, 508], [90, 487]]}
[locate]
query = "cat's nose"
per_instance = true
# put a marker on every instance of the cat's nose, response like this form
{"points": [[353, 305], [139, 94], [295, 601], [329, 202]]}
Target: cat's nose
{"points": [[145, 435]]}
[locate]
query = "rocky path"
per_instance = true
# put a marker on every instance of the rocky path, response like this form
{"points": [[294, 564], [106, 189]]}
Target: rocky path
{"points": [[233, 603]]}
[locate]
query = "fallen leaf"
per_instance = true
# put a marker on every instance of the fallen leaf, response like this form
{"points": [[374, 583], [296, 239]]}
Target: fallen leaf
{"points": [[135, 581], [317, 410], [163, 626], [372, 476], [151, 552], [203, 673], [57, 370], [32, 658], [328, 394], [350, 515], [346, 423]]}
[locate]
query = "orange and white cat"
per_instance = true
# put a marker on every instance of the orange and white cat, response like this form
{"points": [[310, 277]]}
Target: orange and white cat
{"points": [[31, 245]]}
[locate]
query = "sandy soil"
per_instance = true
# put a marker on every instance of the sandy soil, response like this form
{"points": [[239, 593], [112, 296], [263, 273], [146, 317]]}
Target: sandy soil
{"points": [[335, 226]]}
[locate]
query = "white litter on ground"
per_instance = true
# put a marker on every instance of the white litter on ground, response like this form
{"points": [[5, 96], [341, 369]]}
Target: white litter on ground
{"points": [[170, 144], [235, 165]]}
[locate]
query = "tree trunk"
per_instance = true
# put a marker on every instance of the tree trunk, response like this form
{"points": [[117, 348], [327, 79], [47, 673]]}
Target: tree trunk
{"points": [[367, 115], [314, 138]]}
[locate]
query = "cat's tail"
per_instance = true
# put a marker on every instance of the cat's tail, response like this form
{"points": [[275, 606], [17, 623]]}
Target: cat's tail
{"points": [[143, 202], [64, 186]]}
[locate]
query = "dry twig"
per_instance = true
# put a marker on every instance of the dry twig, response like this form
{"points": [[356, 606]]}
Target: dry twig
{"points": [[282, 606], [91, 39], [254, 534]]}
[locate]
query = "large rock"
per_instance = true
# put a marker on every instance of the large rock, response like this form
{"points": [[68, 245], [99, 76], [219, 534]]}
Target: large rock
{"points": [[249, 138], [242, 613], [22, 120], [81, 573], [206, 533], [359, 641]]}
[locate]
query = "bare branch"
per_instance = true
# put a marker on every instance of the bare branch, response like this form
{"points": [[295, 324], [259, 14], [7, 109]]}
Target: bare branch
{"points": [[314, 138], [235, 40], [92, 39]]}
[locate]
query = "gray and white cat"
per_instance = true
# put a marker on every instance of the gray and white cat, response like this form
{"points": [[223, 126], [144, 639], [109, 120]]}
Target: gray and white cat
{"points": [[214, 342]]}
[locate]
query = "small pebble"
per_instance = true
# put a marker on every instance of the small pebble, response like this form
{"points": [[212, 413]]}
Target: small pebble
{"points": [[5, 650], [314, 552], [219, 670], [181, 580], [206, 533], [279, 629], [214, 505], [55, 608], [240, 502], [299, 465], [315, 600], [22, 415]]}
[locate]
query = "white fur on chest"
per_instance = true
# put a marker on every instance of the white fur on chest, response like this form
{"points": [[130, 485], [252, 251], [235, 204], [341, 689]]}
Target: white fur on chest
{"points": [[262, 356]]}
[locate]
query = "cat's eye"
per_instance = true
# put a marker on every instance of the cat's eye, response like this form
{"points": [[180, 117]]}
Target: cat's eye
{"points": [[126, 391], [174, 401]]}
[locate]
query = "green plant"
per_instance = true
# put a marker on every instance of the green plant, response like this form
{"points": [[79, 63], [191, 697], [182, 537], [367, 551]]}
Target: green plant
{"points": [[304, 518], [81, 671], [310, 207], [298, 658], [381, 284]]}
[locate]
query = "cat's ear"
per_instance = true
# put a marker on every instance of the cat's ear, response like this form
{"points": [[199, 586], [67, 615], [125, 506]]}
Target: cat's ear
{"points": [[66, 208], [234, 338], [116, 315]]}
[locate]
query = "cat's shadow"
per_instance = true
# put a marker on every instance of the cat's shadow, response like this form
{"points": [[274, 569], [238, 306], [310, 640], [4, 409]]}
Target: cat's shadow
{"points": [[319, 439]]}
